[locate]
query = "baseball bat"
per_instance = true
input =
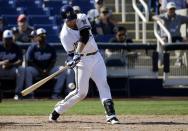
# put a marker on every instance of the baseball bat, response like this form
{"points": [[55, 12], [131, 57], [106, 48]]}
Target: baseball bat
{"points": [[3, 62], [43, 81]]}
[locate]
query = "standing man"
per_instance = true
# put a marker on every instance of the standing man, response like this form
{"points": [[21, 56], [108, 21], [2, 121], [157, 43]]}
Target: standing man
{"points": [[87, 63], [173, 22], [10, 61], [41, 58]]}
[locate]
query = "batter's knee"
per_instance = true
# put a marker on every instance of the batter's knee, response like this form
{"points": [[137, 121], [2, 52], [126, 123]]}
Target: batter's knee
{"points": [[82, 95]]}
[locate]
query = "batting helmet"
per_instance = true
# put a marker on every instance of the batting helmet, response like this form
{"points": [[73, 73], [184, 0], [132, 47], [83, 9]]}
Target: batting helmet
{"points": [[67, 12]]}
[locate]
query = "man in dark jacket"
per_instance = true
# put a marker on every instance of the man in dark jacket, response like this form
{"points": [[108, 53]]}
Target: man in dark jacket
{"points": [[41, 58], [11, 60]]}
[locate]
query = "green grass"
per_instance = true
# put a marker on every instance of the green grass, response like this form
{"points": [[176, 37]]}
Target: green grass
{"points": [[94, 107]]}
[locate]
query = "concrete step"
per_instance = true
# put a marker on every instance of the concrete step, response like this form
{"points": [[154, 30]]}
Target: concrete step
{"points": [[129, 16], [113, 1], [128, 7], [149, 34], [131, 25], [153, 41]]}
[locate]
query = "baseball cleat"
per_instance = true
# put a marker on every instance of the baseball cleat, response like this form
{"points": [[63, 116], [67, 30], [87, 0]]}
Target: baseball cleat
{"points": [[113, 120], [51, 120]]}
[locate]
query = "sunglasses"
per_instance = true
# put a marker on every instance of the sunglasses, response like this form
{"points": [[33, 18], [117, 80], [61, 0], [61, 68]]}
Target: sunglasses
{"points": [[122, 34], [105, 12]]}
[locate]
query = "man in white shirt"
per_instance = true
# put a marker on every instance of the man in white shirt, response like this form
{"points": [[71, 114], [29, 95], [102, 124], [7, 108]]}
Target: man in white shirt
{"points": [[87, 62]]}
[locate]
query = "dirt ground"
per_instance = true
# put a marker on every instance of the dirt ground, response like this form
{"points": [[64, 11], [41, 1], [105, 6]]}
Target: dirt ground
{"points": [[94, 123]]}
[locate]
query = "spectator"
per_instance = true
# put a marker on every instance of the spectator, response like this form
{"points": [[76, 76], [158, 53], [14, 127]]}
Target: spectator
{"points": [[173, 22], [11, 60], [117, 57], [33, 36], [15, 33], [41, 58], [24, 30], [104, 25], [94, 13], [154, 6], [180, 4], [1, 28], [76, 9], [121, 36]]}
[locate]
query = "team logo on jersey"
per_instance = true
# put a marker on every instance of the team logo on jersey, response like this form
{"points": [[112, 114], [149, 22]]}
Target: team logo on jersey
{"points": [[84, 21], [68, 14], [75, 44]]}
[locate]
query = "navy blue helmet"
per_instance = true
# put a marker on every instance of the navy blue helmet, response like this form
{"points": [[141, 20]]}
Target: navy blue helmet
{"points": [[67, 12]]}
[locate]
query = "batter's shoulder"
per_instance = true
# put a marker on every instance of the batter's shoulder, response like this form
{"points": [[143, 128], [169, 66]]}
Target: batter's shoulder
{"points": [[82, 16]]}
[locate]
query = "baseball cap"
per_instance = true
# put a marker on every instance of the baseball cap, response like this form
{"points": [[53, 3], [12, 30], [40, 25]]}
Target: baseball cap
{"points": [[21, 18], [76, 8], [7, 34], [33, 33], [40, 31], [99, 1], [67, 12], [171, 5]]}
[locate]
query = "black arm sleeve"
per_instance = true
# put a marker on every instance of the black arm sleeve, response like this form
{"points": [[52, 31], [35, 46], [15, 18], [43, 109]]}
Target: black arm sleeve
{"points": [[84, 35]]}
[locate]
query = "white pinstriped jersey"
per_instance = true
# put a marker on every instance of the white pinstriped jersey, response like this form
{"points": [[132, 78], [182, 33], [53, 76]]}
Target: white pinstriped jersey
{"points": [[69, 37], [90, 66]]}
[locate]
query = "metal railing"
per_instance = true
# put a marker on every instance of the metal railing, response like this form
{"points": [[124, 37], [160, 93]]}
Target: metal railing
{"points": [[123, 11], [175, 76], [117, 6], [159, 38], [117, 10], [161, 42], [144, 18]]}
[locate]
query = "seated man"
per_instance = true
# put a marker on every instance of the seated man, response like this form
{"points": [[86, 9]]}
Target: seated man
{"points": [[104, 25], [23, 29], [11, 60], [117, 57], [173, 22], [41, 58], [2, 27]]}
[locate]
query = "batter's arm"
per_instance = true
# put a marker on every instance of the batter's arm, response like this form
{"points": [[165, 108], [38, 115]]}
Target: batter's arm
{"points": [[84, 37], [80, 47]]}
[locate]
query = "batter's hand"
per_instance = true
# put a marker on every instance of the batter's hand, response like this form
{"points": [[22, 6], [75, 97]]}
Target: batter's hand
{"points": [[72, 63]]}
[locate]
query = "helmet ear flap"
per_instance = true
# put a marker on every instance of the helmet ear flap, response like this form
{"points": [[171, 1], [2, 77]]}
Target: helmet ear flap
{"points": [[63, 15]]}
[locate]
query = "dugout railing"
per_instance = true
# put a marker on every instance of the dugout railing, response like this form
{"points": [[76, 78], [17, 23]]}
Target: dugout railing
{"points": [[175, 76], [136, 61], [140, 60]]}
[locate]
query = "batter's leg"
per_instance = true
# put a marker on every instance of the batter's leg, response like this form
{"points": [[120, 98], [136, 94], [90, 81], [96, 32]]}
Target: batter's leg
{"points": [[99, 76], [82, 75]]}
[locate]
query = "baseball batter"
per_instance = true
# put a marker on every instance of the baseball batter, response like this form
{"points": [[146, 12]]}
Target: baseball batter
{"points": [[87, 62]]}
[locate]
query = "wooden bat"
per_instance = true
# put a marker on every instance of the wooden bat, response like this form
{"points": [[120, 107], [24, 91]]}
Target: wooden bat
{"points": [[41, 82]]}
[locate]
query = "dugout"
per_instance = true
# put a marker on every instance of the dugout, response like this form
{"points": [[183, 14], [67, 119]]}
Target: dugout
{"points": [[136, 74]]}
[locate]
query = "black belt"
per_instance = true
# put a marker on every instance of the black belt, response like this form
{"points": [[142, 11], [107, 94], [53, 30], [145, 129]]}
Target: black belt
{"points": [[88, 54]]}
